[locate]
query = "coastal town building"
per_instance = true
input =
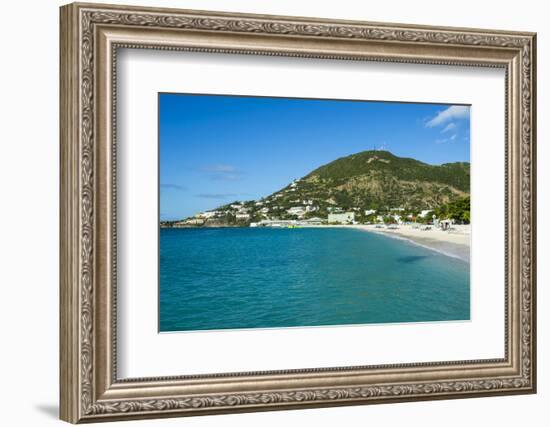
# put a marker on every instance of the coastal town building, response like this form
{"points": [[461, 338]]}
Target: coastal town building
{"points": [[296, 210], [193, 221], [397, 218], [313, 221], [370, 212], [208, 214], [288, 223], [341, 218], [242, 215]]}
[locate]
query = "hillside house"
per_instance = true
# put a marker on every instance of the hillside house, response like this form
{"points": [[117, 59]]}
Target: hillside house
{"points": [[242, 215], [296, 210]]}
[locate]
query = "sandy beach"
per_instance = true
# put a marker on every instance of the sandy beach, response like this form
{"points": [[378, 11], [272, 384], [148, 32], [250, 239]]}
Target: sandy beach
{"points": [[453, 243]]}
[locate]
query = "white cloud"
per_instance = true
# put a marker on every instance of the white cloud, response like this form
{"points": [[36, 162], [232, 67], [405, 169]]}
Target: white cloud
{"points": [[222, 172], [219, 168], [450, 126], [454, 112], [445, 140], [174, 187]]}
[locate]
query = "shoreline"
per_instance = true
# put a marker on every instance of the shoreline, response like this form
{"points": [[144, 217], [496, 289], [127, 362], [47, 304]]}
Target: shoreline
{"points": [[455, 244]]}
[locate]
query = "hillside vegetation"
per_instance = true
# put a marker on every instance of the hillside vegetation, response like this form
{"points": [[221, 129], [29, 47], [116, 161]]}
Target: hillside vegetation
{"points": [[366, 181]]}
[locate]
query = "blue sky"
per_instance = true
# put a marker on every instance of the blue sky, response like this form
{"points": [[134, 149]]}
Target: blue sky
{"points": [[217, 149]]}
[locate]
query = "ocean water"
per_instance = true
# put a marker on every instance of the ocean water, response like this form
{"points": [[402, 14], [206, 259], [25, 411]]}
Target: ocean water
{"points": [[235, 278]]}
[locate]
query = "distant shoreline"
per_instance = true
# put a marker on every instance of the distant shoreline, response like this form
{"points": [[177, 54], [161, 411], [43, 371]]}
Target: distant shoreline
{"points": [[455, 243]]}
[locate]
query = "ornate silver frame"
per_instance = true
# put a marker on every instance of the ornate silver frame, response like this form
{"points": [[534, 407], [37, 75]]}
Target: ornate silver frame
{"points": [[90, 36]]}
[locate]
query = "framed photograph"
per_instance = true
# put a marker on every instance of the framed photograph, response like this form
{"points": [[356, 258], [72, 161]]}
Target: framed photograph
{"points": [[265, 212]]}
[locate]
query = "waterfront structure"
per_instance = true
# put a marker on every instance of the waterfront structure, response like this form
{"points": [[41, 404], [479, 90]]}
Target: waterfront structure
{"points": [[312, 221], [289, 223], [208, 214], [341, 218], [190, 221]]}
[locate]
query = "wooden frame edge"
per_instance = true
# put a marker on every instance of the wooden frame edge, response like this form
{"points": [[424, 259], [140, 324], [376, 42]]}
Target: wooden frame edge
{"points": [[73, 406], [69, 156]]}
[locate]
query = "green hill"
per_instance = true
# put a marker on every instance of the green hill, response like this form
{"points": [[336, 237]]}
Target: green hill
{"points": [[367, 180], [380, 180], [384, 163]]}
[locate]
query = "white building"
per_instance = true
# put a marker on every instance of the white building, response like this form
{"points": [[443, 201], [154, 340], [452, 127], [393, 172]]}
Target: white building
{"points": [[370, 212], [341, 218], [194, 221], [425, 212], [208, 214], [397, 218], [242, 215], [313, 221], [297, 210]]}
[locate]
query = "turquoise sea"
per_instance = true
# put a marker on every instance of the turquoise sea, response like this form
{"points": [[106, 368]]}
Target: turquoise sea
{"points": [[235, 278]]}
